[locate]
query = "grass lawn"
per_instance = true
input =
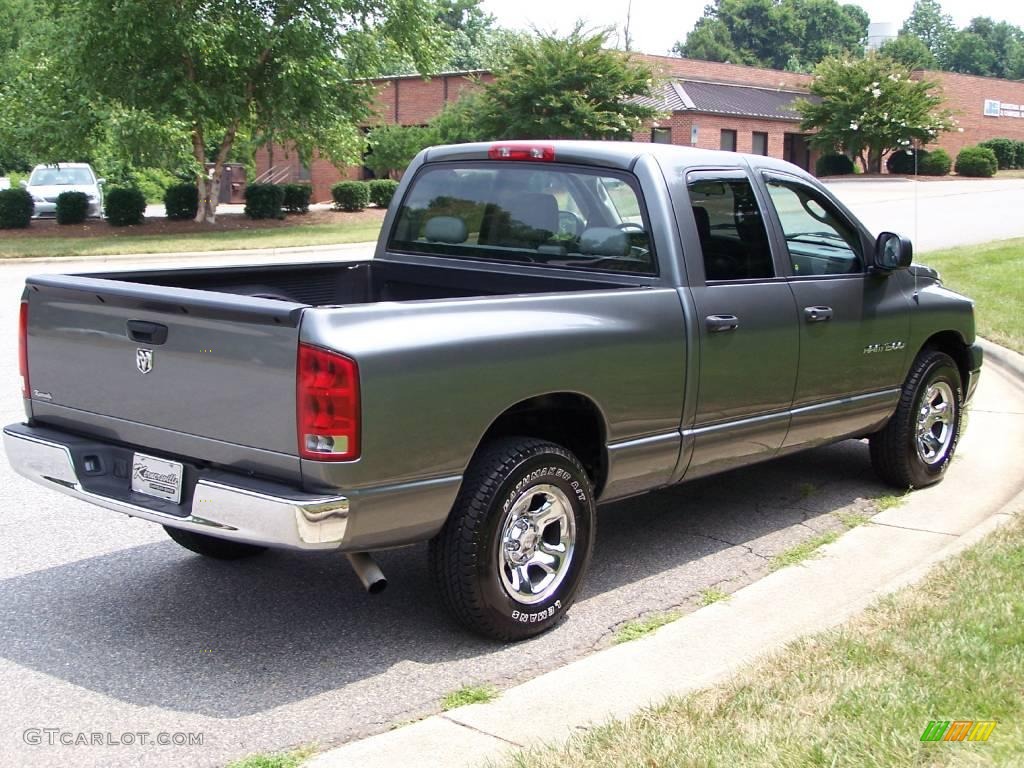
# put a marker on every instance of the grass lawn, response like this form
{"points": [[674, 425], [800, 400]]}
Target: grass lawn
{"points": [[992, 275], [159, 236], [951, 648]]}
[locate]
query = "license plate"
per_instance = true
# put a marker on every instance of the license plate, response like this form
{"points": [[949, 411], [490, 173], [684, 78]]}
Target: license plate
{"points": [[157, 477]]}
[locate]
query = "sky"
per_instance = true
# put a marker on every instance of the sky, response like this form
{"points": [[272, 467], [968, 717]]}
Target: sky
{"points": [[657, 24]]}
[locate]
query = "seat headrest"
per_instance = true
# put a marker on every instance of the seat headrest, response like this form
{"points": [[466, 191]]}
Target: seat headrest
{"points": [[445, 229]]}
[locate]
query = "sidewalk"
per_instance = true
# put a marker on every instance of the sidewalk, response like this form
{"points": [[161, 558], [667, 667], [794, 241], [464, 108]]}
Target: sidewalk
{"points": [[897, 548]]}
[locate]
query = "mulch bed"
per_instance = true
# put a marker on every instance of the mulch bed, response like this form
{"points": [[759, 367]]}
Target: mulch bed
{"points": [[226, 222]]}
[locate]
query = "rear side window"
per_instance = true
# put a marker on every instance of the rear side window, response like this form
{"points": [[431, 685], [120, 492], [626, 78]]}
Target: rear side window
{"points": [[557, 216], [732, 233]]}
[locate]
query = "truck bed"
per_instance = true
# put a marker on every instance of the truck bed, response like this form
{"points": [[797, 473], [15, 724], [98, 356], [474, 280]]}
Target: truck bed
{"points": [[202, 362], [362, 282]]}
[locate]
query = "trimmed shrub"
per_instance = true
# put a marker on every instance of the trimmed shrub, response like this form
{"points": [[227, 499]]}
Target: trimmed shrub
{"points": [[1018, 154], [124, 206], [72, 207], [381, 191], [976, 161], [902, 161], [351, 195], [264, 201], [1005, 151], [296, 197], [181, 201], [935, 163], [833, 165], [16, 208]]}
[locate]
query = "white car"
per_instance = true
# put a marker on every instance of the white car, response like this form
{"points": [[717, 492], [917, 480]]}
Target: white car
{"points": [[5, 183], [48, 181]]}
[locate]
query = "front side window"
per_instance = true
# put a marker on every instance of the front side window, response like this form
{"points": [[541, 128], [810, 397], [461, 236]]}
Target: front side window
{"points": [[820, 241], [526, 212], [733, 237]]}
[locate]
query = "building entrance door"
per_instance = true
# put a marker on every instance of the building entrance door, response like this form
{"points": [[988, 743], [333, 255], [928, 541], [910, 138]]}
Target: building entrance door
{"points": [[796, 150]]}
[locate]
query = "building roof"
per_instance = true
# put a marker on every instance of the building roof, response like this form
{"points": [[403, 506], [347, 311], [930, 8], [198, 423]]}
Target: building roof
{"points": [[726, 99]]}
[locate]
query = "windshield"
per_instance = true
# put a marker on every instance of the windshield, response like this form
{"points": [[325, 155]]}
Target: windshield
{"points": [[61, 177], [555, 215]]}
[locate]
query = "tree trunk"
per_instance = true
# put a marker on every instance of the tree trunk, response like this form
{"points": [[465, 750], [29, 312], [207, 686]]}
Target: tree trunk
{"points": [[199, 153], [874, 161]]}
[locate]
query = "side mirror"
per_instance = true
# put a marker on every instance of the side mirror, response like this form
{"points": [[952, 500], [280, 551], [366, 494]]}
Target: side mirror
{"points": [[23, 183], [100, 182], [893, 252]]}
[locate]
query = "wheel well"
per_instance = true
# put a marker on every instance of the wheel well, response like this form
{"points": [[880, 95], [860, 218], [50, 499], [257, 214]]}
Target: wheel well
{"points": [[953, 345], [570, 420]]}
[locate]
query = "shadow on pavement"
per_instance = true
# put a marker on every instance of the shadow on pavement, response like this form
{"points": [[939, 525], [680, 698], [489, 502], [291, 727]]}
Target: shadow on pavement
{"points": [[157, 626]]}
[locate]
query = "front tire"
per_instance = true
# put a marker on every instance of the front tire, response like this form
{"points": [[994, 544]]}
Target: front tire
{"points": [[512, 554], [210, 546], [915, 448]]}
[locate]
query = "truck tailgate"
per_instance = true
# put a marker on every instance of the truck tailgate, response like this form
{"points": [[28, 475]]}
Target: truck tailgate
{"points": [[216, 371]]}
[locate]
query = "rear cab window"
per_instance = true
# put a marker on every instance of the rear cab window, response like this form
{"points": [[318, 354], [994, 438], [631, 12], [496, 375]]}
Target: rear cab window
{"points": [[556, 215]]}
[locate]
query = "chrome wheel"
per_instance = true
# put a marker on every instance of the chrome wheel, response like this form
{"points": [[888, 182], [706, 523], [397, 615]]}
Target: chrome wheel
{"points": [[936, 421], [538, 538]]}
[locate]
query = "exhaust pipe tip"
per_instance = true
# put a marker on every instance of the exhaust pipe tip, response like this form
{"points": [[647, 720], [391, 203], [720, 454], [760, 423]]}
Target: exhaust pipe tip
{"points": [[369, 573]]}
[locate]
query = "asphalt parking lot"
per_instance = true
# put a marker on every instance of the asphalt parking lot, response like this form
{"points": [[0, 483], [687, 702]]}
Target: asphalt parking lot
{"points": [[108, 626]]}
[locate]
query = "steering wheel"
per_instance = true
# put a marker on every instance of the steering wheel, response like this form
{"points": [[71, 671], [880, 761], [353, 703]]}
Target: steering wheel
{"points": [[630, 225]]}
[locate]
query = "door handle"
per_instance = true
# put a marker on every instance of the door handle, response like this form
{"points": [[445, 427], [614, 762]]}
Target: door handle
{"points": [[817, 314], [146, 333], [721, 323]]}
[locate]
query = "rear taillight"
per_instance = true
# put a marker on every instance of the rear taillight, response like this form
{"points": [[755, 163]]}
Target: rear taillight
{"points": [[327, 400], [522, 151], [23, 348]]}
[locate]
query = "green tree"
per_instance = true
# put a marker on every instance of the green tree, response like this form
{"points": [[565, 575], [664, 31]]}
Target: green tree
{"points": [[928, 22], [909, 50], [294, 70], [392, 147], [870, 107], [470, 38], [570, 87], [775, 33], [986, 47]]}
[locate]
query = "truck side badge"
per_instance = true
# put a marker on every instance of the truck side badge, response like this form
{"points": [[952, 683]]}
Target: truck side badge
{"points": [[144, 360]]}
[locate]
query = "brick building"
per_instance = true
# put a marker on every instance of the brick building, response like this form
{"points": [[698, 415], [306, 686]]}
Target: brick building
{"points": [[708, 105]]}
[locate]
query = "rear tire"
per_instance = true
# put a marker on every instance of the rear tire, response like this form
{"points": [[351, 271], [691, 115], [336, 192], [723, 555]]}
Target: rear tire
{"points": [[210, 546], [915, 448], [512, 554]]}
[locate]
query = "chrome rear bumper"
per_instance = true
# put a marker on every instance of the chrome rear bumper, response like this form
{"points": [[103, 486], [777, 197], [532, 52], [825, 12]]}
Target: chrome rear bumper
{"points": [[231, 506]]}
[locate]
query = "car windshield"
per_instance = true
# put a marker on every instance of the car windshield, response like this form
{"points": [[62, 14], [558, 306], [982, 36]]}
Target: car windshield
{"points": [[60, 177], [526, 213]]}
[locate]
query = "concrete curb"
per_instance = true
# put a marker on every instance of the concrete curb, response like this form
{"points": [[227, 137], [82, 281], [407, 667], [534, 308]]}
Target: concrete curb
{"points": [[1002, 356], [299, 250], [897, 548]]}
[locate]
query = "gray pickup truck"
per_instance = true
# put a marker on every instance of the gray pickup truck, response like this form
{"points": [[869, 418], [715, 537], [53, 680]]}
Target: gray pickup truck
{"points": [[544, 327]]}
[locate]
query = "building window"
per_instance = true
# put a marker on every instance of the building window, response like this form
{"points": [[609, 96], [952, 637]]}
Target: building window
{"points": [[759, 143], [661, 135], [728, 140]]}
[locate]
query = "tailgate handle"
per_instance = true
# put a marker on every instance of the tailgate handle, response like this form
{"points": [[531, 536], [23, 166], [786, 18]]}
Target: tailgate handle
{"points": [[147, 333]]}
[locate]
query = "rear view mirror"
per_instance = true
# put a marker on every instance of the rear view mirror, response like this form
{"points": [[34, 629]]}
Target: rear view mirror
{"points": [[893, 252]]}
